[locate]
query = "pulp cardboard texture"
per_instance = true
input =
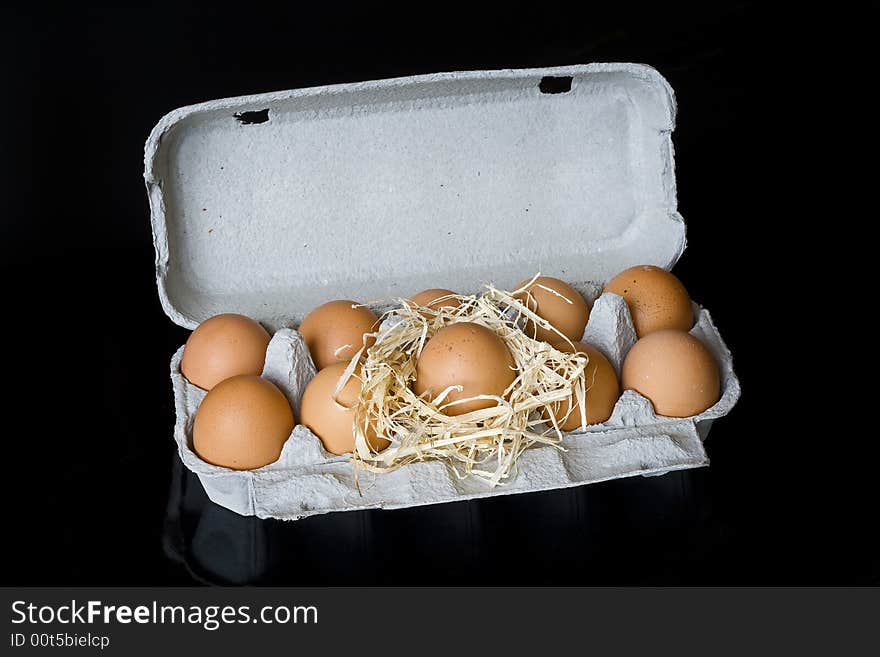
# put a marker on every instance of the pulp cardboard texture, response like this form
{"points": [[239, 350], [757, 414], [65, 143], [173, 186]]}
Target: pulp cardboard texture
{"points": [[269, 205], [382, 189]]}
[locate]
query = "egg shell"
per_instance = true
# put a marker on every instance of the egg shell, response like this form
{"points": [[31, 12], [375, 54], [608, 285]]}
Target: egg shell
{"points": [[433, 299], [469, 355], [566, 310], [333, 325], [675, 371], [602, 391], [333, 422], [656, 299], [224, 346], [242, 423]]}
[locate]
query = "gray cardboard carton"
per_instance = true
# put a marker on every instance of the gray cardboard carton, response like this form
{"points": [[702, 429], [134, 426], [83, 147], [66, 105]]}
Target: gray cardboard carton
{"points": [[271, 204]]}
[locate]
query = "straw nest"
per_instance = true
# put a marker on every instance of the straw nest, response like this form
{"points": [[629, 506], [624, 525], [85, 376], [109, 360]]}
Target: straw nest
{"points": [[484, 443]]}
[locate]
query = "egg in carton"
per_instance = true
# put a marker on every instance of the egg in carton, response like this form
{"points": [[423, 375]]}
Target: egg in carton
{"points": [[307, 480], [268, 205]]}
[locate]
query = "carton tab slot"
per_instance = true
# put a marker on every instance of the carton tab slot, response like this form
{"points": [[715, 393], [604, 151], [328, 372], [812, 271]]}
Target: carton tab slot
{"points": [[252, 118], [555, 85]]}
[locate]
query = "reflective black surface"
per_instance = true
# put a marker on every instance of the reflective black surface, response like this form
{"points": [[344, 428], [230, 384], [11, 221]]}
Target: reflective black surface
{"points": [[642, 530], [94, 493]]}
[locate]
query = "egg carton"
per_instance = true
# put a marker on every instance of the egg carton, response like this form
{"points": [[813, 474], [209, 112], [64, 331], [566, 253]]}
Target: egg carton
{"points": [[271, 204], [307, 480]]}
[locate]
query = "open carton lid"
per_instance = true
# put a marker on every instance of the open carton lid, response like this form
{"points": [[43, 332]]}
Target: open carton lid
{"points": [[269, 205]]}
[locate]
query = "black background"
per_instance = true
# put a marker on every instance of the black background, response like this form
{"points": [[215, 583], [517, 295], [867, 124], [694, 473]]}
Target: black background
{"points": [[89, 459]]}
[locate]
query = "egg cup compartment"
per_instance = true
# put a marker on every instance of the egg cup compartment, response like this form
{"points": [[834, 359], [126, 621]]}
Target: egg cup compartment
{"points": [[307, 480], [610, 329]]}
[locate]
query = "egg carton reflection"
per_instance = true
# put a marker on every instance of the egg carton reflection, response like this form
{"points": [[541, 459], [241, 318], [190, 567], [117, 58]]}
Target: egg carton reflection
{"points": [[307, 480]]}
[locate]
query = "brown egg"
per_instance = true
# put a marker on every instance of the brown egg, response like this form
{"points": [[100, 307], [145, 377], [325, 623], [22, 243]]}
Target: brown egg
{"points": [[656, 298], [469, 355], [334, 423], [224, 346], [242, 423], [602, 391], [429, 299], [675, 371], [570, 319], [334, 331]]}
